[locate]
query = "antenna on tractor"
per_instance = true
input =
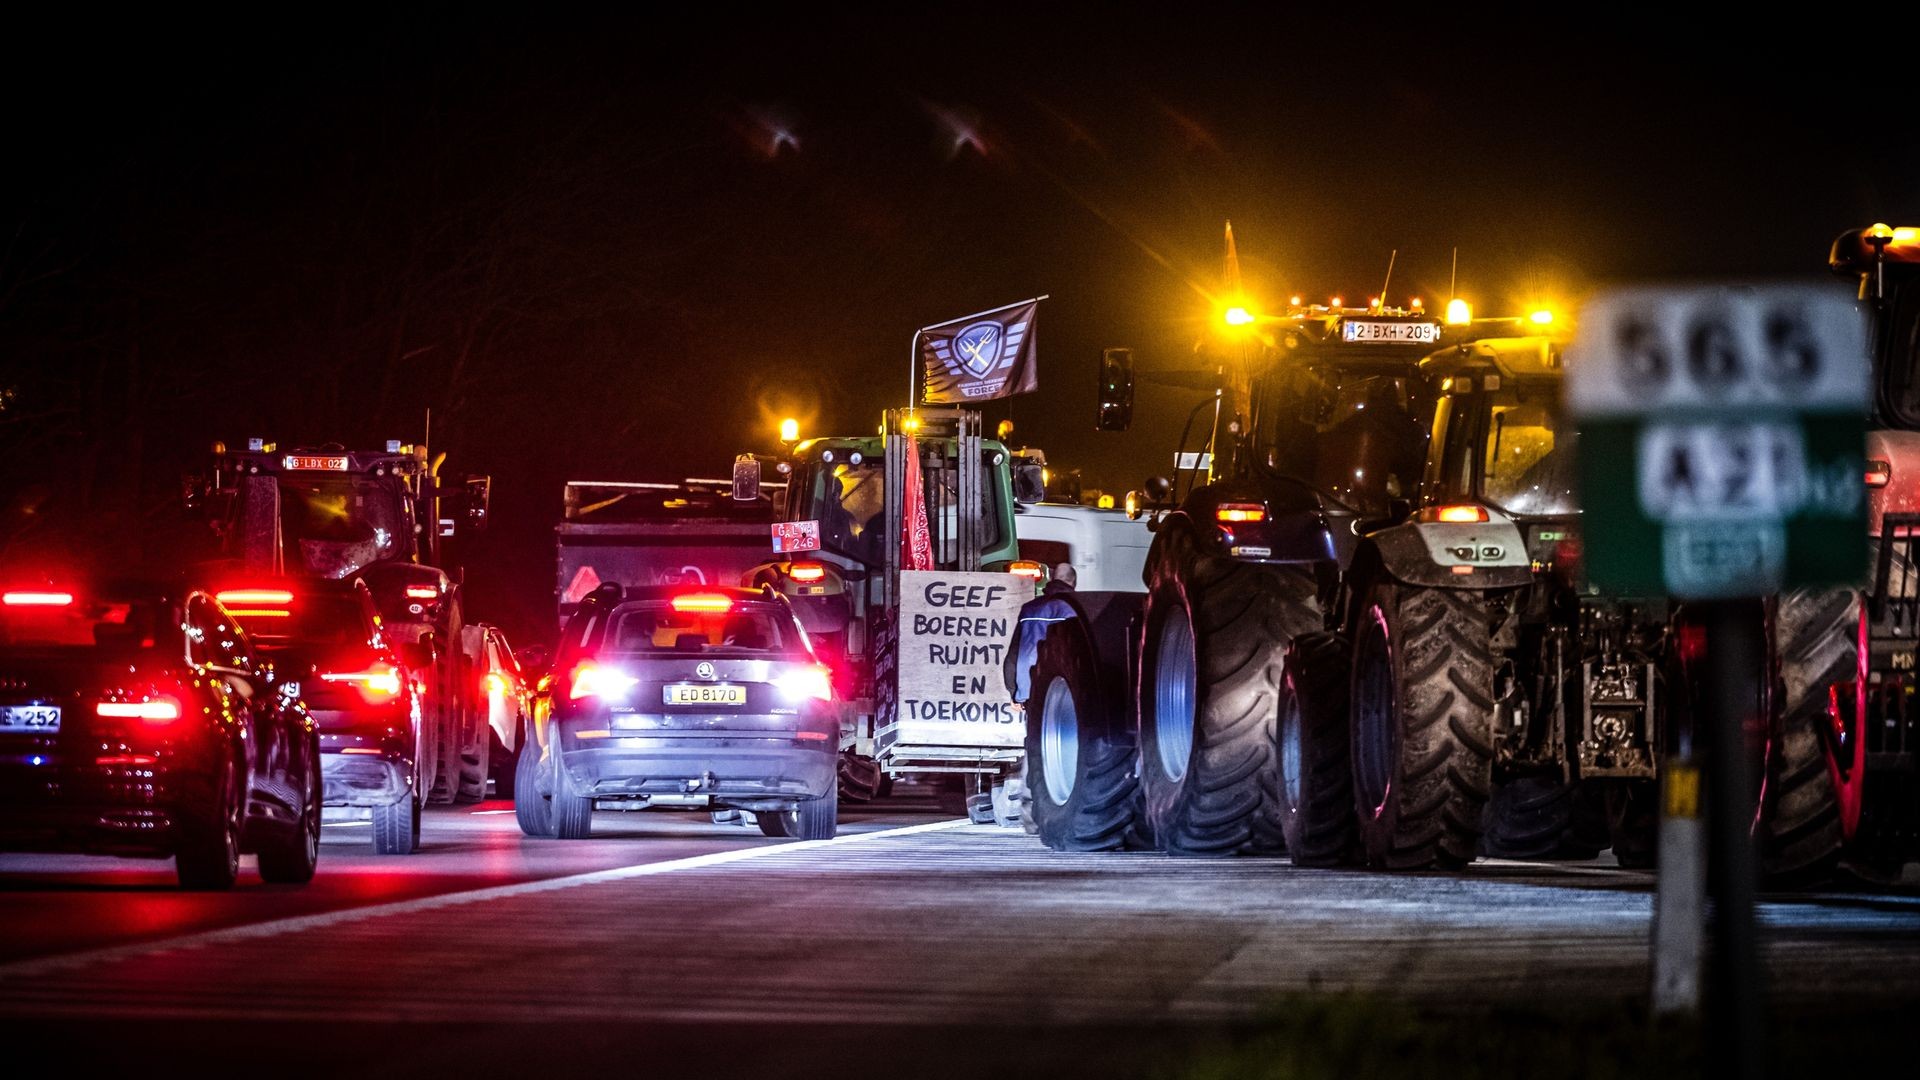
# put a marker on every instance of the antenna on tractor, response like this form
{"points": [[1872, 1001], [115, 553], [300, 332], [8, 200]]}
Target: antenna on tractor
{"points": [[1453, 277], [1389, 281], [426, 436]]}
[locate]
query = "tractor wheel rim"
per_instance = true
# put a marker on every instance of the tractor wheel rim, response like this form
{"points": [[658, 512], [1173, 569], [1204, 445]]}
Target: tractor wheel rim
{"points": [[1173, 695], [1374, 717], [1290, 753], [1059, 741]]}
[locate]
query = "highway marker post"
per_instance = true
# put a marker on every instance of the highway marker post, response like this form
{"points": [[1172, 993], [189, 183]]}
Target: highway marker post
{"points": [[1722, 435]]}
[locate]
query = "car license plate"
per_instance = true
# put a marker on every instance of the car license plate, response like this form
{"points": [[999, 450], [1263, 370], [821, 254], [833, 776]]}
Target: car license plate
{"points": [[706, 694], [30, 718], [1424, 332]]}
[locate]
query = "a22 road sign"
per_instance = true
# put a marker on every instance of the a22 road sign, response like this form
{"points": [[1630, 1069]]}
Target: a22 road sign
{"points": [[1721, 439]]}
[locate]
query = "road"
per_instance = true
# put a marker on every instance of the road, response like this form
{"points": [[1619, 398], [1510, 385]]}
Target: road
{"points": [[709, 945]]}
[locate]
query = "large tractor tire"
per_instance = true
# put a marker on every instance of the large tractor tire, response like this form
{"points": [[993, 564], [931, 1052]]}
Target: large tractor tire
{"points": [[1422, 725], [1081, 792], [1815, 645], [1542, 817], [1316, 772], [1217, 630]]}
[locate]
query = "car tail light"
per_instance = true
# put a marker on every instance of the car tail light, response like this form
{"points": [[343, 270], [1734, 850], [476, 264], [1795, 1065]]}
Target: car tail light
{"points": [[809, 682], [1027, 568], [1879, 473], [493, 683], [1238, 512], [25, 598], [807, 571], [377, 682], [422, 592], [1458, 514], [254, 596], [592, 680], [702, 603], [159, 710]]}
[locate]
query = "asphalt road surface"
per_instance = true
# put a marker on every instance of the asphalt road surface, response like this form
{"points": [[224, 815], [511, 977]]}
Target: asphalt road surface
{"points": [[670, 941]]}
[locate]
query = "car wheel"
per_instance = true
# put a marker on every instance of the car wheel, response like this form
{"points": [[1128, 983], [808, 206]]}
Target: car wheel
{"points": [[291, 857], [572, 814], [531, 807], [396, 826], [208, 858]]}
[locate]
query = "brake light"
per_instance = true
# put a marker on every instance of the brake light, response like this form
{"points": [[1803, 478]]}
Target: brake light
{"points": [[254, 596], [377, 682], [1238, 512], [1879, 473], [809, 682], [259, 613], [38, 599], [1462, 514], [702, 603], [422, 592], [1027, 568], [806, 571], [592, 680], [160, 710]]}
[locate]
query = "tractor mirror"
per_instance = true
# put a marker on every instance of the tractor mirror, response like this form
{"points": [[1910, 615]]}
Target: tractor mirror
{"points": [[476, 498], [1116, 390], [1029, 482], [746, 478], [1158, 488]]}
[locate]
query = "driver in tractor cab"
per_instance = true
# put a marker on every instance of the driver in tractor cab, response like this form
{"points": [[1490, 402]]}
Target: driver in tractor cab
{"points": [[1377, 451]]}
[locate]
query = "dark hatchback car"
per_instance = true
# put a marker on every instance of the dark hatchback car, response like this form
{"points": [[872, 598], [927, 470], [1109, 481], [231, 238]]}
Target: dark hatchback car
{"points": [[327, 635], [673, 698], [138, 720]]}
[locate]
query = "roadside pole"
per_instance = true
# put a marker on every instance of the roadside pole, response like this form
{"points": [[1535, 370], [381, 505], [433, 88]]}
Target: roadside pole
{"points": [[1721, 429], [1735, 664]]}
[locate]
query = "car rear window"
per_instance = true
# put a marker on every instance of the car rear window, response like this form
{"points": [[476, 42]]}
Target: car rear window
{"points": [[656, 627], [87, 623], [310, 620]]}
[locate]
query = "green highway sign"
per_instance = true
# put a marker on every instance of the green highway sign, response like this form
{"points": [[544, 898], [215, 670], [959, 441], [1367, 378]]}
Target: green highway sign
{"points": [[1722, 439]]}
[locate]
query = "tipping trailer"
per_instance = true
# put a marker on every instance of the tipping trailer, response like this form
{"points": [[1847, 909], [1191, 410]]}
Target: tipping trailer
{"points": [[638, 534], [385, 516]]}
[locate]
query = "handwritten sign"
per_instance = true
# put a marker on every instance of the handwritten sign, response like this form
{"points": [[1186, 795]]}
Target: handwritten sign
{"points": [[796, 536], [954, 632]]}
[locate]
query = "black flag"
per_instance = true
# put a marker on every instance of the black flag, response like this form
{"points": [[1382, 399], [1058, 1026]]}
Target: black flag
{"points": [[990, 355]]}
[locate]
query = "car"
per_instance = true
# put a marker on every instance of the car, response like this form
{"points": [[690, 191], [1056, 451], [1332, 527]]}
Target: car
{"points": [[138, 719], [684, 697], [361, 691], [508, 697]]}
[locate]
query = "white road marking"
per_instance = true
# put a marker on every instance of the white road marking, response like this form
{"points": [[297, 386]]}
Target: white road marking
{"points": [[484, 813], [345, 825], [26, 969]]}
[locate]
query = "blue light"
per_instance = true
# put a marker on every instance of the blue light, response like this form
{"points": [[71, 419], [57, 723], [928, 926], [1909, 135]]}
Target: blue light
{"points": [[36, 760]]}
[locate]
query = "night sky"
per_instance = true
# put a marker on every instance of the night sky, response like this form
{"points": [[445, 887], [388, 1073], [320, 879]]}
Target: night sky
{"points": [[602, 249]]}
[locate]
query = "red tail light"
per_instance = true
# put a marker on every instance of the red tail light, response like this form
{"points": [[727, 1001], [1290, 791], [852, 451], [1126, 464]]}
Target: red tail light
{"points": [[806, 571], [592, 680], [377, 682], [25, 598], [253, 597], [159, 710], [702, 603], [422, 592], [810, 682], [1459, 514], [1879, 474], [1239, 512]]}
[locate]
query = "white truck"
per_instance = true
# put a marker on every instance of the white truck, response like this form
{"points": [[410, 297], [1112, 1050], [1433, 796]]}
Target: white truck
{"points": [[1107, 549]]}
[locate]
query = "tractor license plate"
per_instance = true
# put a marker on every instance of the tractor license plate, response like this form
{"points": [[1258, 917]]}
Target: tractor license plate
{"points": [[706, 694], [1424, 332], [30, 718]]}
